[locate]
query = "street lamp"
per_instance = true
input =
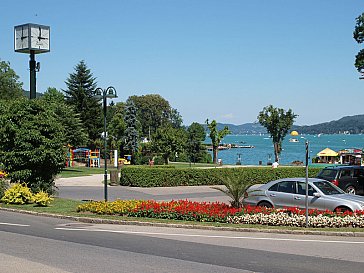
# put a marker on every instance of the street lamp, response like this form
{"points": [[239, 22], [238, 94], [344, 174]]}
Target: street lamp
{"points": [[108, 93]]}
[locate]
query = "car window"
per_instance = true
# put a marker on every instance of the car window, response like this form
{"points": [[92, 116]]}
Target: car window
{"points": [[301, 189], [345, 173], [358, 172], [329, 174], [328, 188], [274, 187], [286, 186]]}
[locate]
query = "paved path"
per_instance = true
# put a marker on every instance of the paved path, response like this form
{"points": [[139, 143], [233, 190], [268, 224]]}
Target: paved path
{"points": [[92, 188]]}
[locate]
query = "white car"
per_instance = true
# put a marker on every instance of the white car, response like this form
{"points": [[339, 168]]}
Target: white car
{"points": [[291, 192]]}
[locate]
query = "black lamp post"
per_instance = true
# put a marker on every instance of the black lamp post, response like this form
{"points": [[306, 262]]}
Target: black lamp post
{"points": [[104, 94]]}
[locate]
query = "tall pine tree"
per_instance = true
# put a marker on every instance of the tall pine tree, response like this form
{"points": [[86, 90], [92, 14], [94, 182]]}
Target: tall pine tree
{"points": [[131, 133], [81, 86]]}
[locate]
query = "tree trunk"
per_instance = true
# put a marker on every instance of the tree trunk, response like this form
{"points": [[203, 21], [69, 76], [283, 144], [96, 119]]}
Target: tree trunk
{"points": [[276, 151], [166, 159], [214, 154]]}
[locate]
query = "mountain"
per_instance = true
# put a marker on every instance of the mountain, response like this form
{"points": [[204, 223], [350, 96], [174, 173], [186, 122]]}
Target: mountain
{"points": [[243, 129], [345, 125]]}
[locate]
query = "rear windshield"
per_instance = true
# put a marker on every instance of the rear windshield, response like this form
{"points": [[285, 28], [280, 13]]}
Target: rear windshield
{"points": [[328, 188], [328, 174]]}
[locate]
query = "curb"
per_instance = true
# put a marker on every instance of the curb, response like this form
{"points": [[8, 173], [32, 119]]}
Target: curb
{"points": [[186, 226]]}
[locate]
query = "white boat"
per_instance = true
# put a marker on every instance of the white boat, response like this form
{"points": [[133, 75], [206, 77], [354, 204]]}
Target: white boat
{"points": [[293, 140]]}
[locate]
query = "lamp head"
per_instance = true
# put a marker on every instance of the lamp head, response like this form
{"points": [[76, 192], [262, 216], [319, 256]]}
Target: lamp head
{"points": [[98, 93], [111, 92]]}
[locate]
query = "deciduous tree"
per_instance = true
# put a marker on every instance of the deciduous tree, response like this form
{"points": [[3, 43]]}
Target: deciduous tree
{"points": [[10, 86], [153, 111], [31, 143], [277, 121], [216, 136], [168, 140], [196, 135], [359, 37]]}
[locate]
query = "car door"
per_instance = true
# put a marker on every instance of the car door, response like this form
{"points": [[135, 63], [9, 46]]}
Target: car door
{"points": [[359, 175], [313, 202], [281, 194], [346, 178]]}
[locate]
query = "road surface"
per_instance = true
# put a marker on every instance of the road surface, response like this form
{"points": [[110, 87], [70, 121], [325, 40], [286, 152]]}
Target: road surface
{"points": [[37, 244]]}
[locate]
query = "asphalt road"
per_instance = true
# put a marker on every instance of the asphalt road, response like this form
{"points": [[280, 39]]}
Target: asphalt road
{"points": [[128, 193], [92, 188], [38, 244]]}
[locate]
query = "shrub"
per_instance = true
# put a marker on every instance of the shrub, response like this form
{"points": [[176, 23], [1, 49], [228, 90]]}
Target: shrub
{"points": [[3, 187], [169, 177], [18, 194], [31, 142], [118, 207], [42, 199]]}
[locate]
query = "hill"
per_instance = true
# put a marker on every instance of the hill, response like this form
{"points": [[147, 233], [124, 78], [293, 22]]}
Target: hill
{"points": [[345, 125]]}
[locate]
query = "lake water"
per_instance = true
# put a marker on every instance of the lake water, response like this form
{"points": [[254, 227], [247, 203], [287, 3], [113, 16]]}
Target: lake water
{"points": [[291, 150]]}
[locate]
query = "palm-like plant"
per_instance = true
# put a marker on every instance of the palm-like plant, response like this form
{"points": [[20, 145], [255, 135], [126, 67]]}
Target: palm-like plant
{"points": [[235, 188]]}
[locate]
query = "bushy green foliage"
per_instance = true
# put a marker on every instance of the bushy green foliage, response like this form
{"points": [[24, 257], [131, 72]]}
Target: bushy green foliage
{"points": [[10, 86], [3, 187], [42, 199], [277, 121], [167, 141], [359, 37], [216, 137], [18, 194], [31, 143], [235, 187], [170, 177], [75, 134]]}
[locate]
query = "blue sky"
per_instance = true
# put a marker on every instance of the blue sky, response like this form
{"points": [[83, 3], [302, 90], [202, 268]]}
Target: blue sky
{"points": [[222, 60]]}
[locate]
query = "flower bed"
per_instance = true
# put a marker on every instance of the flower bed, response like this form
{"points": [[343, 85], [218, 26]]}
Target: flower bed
{"points": [[222, 213], [176, 210]]}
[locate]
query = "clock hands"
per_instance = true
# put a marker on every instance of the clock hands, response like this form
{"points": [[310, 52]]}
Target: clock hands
{"points": [[40, 35]]}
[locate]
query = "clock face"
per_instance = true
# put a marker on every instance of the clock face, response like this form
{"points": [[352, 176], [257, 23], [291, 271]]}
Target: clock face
{"points": [[21, 38], [39, 38]]}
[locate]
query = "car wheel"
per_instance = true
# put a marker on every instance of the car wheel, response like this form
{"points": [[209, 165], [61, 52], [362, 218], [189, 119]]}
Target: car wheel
{"points": [[265, 204], [350, 190], [342, 209]]}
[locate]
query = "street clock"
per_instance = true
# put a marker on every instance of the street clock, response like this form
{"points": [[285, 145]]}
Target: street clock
{"points": [[32, 38]]}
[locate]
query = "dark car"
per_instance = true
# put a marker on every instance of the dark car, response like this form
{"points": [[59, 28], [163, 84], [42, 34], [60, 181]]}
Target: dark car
{"points": [[348, 178]]}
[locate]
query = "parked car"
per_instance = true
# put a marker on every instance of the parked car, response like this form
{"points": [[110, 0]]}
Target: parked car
{"points": [[348, 178], [291, 192]]}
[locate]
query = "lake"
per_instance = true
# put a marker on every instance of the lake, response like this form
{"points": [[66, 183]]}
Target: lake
{"points": [[292, 151]]}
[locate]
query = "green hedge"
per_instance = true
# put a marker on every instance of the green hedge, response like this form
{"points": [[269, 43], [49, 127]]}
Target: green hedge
{"points": [[170, 177]]}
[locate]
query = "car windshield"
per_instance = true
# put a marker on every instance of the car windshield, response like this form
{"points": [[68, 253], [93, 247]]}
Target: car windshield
{"points": [[328, 188]]}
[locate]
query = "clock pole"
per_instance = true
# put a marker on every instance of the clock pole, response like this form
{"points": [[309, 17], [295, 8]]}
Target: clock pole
{"points": [[32, 65]]}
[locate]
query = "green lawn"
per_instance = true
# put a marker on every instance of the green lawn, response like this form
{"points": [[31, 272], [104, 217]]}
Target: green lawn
{"points": [[81, 171], [68, 207]]}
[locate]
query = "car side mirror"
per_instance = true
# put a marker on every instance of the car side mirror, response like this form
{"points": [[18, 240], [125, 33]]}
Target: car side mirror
{"points": [[316, 194]]}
